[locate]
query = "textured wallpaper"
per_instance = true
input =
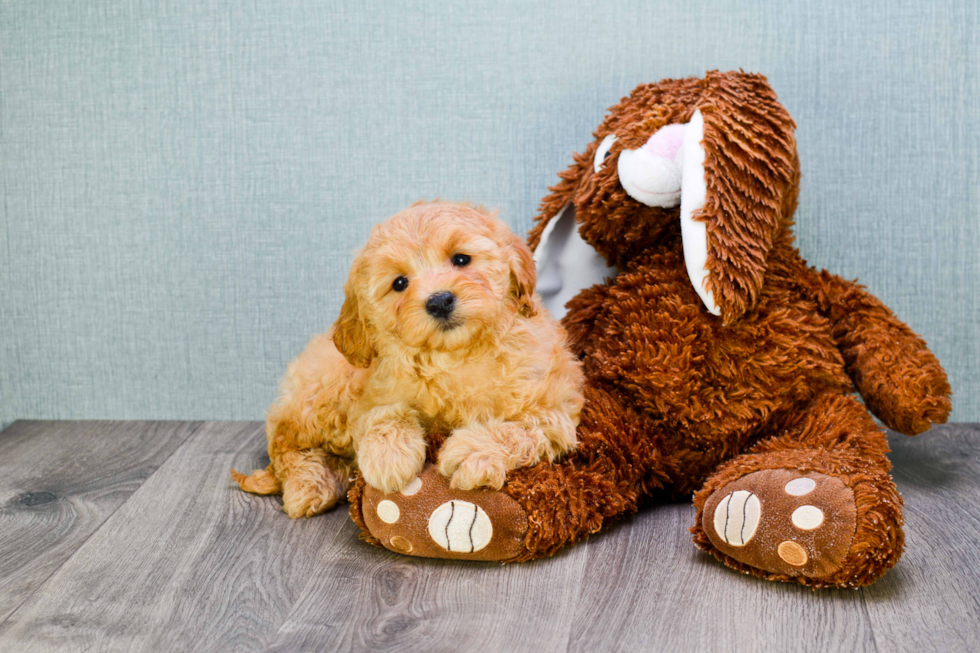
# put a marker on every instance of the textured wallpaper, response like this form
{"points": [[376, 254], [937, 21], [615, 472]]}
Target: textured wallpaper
{"points": [[183, 182]]}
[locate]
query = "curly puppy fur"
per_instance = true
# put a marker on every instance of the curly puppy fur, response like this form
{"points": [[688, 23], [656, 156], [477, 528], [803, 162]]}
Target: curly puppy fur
{"points": [[495, 373]]}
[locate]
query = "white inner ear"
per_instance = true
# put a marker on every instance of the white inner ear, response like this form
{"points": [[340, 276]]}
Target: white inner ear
{"points": [[566, 263], [694, 191], [666, 171]]}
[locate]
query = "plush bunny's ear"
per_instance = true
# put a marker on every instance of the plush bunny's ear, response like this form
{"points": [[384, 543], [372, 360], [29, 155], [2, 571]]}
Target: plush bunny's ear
{"points": [[350, 333], [748, 189], [566, 263], [558, 200]]}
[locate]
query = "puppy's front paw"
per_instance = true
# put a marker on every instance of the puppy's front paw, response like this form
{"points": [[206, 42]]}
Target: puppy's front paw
{"points": [[391, 458], [473, 461], [479, 470]]}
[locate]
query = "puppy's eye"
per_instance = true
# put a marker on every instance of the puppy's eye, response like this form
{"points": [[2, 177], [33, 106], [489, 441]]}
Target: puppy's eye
{"points": [[461, 260], [604, 151], [400, 284]]}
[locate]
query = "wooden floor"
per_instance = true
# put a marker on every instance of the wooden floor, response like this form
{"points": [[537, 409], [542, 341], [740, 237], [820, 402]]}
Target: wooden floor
{"points": [[130, 536]]}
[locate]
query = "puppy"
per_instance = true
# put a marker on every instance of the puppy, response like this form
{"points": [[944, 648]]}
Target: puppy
{"points": [[441, 330]]}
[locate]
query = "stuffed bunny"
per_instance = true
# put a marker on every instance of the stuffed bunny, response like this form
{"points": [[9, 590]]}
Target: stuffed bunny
{"points": [[717, 361]]}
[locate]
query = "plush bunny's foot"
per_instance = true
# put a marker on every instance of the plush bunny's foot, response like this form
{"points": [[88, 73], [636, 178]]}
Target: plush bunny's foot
{"points": [[429, 519], [813, 527], [783, 522]]}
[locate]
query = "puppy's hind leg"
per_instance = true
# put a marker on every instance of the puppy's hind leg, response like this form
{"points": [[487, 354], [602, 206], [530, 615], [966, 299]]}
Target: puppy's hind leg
{"points": [[311, 478], [315, 481], [310, 452]]}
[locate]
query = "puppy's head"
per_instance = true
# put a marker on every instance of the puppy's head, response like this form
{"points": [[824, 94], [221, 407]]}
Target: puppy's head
{"points": [[435, 277]]}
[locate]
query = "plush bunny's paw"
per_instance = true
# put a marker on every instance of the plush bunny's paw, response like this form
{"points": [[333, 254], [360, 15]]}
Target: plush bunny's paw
{"points": [[783, 522], [430, 519]]}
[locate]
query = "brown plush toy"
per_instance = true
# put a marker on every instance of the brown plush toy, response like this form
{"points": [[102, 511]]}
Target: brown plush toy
{"points": [[716, 360]]}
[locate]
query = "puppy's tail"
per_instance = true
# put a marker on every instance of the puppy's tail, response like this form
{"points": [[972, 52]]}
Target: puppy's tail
{"points": [[262, 481]]}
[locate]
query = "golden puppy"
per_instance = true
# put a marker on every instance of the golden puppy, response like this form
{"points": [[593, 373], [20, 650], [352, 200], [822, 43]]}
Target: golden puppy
{"points": [[440, 329]]}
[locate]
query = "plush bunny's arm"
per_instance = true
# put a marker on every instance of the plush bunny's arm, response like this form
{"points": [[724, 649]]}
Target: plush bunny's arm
{"points": [[901, 381]]}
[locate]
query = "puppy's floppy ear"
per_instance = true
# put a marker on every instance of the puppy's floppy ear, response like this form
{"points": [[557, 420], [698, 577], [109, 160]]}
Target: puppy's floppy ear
{"points": [[523, 276], [751, 174], [350, 333]]}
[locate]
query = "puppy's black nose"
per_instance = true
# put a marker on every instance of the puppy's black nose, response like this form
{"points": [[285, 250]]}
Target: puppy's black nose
{"points": [[440, 304]]}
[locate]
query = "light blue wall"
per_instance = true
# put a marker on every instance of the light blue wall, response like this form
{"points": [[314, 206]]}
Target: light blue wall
{"points": [[183, 182]]}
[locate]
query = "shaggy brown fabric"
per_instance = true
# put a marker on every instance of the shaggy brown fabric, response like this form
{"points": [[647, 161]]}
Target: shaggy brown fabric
{"points": [[680, 400], [354, 495]]}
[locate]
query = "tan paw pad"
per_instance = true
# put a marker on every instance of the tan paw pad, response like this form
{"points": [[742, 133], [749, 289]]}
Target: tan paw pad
{"points": [[400, 544], [792, 553]]}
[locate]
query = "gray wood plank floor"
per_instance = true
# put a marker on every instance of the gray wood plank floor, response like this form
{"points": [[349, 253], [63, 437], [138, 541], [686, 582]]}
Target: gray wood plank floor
{"points": [[59, 482], [130, 536]]}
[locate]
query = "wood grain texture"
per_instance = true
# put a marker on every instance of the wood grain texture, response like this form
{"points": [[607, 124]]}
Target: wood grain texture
{"points": [[931, 600], [191, 563], [188, 563], [59, 481], [368, 599], [649, 588]]}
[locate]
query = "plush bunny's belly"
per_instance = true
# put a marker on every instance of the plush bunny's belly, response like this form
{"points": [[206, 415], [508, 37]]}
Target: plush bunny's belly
{"points": [[682, 364]]}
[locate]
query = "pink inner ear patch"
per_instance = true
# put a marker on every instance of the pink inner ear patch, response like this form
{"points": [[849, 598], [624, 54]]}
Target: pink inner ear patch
{"points": [[666, 141]]}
